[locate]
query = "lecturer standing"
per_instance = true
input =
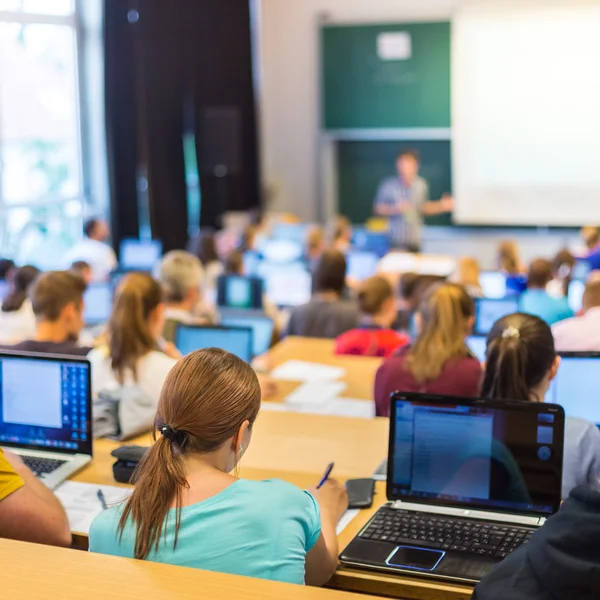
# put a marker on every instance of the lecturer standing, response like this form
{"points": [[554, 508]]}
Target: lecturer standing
{"points": [[404, 199]]}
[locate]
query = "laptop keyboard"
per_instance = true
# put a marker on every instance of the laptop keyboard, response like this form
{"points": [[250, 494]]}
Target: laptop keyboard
{"points": [[402, 527], [42, 466]]}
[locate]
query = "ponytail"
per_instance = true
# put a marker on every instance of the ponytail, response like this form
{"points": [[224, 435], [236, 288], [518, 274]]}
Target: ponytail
{"points": [[19, 286], [129, 334]]}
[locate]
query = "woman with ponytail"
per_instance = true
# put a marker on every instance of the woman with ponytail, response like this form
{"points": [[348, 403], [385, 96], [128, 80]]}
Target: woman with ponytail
{"points": [[439, 361], [521, 362], [135, 354], [17, 321], [188, 509]]}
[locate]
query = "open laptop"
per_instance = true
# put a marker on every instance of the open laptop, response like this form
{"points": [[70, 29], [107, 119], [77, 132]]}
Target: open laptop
{"points": [[477, 344], [469, 481], [239, 291], [97, 300], [237, 340], [361, 265], [45, 413], [490, 310], [493, 284], [576, 386], [287, 285], [138, 255], [261, 325]]}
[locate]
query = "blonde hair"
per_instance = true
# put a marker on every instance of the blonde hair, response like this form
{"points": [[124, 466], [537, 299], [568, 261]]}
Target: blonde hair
{"points": [[444, 311], [591, 236], [373, 293], [179, 273], [508, 257], [129, 334], [315, 238], [467, 272]]}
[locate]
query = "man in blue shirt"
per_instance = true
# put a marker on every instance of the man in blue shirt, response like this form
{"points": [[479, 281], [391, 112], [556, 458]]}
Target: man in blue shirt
{"points": [[537, 301], [404, 199]]}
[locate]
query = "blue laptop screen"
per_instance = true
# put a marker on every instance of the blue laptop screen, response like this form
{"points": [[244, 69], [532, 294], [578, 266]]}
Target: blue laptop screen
{"points": [[361, 265], [237, 341], [477, 345], [489, 311], [492, 457], [262, 330], [45, 403], [137, 255]]}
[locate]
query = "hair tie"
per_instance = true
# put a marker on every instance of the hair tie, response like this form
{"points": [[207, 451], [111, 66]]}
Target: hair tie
{"points": [[168, 432], [511, 332]]}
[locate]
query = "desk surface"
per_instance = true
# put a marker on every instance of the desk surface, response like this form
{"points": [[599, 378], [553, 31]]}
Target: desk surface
{"points": [[360, 370], [32, 571]]}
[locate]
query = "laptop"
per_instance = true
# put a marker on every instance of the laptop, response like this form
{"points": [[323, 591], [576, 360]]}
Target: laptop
{"points": [[469, 481], [490, 310], [576, 386], [261, 325], [237, 340], [138, 255], [45, 413], [361, 265], [493, 284], [238, 291], [575, 295], [477, 344], [287, 286], [97, 300]]}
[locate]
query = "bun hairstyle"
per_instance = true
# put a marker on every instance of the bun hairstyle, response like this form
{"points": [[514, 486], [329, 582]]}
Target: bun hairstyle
{"points": [[520, 352], [129, 334], [206, 398], [20, 282], [373, 293], [445, 312]]}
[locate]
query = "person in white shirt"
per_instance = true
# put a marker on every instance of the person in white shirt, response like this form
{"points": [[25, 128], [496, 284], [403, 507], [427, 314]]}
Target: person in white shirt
{"points": [[94, 250], [135, 353], [582, 333], [17, 320]]}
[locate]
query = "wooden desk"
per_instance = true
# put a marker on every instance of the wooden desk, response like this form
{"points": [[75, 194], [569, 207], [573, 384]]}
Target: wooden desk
{"points": [[360, 370], [32, 571]]}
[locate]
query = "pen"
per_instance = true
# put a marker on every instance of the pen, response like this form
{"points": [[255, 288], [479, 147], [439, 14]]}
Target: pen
{"points": [[326, 475], [102, 499]]}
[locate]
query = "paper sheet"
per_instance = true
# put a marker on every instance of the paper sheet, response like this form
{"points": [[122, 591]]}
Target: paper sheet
{"points": [[315, 394], [299, 370], [346, 519], [273, 407], [80, 501]]}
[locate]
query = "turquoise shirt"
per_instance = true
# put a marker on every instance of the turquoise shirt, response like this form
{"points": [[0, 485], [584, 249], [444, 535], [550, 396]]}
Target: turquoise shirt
{"points": [[544, 306], [259, 529]]}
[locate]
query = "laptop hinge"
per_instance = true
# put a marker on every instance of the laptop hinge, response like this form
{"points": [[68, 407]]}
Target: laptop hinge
{"points": [[452, 511]]}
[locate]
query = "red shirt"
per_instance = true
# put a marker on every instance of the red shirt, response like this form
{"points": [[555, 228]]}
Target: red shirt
{"points": [[459, 377], [370, 341]]}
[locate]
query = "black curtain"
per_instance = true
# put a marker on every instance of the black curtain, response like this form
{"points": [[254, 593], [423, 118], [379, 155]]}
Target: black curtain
{"points": [[169, 64]]}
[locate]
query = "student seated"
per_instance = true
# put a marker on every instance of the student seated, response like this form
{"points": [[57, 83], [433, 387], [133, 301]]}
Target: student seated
{"points": [[537, 301], [29, 511], [314, 246], [328, 314], [562, 269], [509, 262], [374, 336], [439, 361], [342, 234], [411, 289], [17, 321], [188, 510], [521, 362], [581, 333], [205, 248], [57, 301], [181, 276], [83, 269], [467, 274], [135, 354]]}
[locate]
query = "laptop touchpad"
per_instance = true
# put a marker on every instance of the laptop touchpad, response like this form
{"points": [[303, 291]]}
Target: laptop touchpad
{"points": [[420, 559]]}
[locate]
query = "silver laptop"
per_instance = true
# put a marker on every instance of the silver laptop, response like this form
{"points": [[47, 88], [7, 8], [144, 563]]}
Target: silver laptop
{"points": [[469, 481], [45, 413]]}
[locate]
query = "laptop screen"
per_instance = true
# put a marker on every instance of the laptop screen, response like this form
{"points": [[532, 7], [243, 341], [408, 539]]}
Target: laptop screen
{"points": [[287, 286], [262, 330], [477, 344], [493, 284], [576, 386], [45, 403], [236, 291], [361, 265], [97, 303], [236, 340], [137, 255], [575, 297], [491, 455], [488, 311]]}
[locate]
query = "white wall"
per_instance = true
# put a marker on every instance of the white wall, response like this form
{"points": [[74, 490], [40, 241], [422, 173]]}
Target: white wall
{"points": [[289, 97]]}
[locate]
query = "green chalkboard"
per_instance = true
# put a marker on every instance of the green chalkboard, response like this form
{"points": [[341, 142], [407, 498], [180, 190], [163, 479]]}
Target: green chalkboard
{"points": [[363, 165], [360, 90]]}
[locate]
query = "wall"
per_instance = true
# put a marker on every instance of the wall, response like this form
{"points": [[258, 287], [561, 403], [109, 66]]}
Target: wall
{"points": [[289, 95]]}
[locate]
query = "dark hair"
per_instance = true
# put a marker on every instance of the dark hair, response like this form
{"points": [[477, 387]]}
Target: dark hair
{"points": [[330, 273], [20, 282], [204, 246], [6, 266], [591, 295], [248, 237], [89, 226], [562, 268], [51, 292], [410, 152], [129, 335], [540, 273], [205, 399], [80, 265], [234, 263], [373, 293], [520, 352]]}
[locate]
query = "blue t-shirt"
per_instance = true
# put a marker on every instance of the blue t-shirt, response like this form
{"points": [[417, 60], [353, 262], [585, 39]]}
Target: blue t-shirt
{"points": [[544, 306], [258, 529]]}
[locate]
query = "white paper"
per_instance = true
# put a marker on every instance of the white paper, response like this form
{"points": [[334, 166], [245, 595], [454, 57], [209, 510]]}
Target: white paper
{"points": [[346, 519], [396, 45], [273, 407], [81, 502], [315, 394], [299, 370]]}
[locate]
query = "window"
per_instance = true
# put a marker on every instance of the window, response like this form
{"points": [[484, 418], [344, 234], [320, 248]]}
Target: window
{"points": [[41, 180]]}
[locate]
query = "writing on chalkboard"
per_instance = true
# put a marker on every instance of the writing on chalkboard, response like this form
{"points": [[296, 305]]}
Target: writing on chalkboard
{"points": [[395, 45]]}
